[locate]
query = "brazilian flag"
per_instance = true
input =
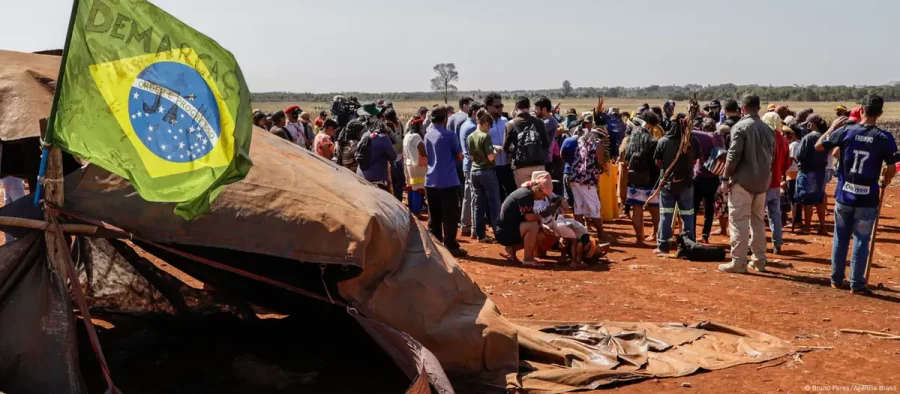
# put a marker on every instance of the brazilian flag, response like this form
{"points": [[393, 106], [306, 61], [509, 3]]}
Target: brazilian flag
{"points": [[147, 97]]}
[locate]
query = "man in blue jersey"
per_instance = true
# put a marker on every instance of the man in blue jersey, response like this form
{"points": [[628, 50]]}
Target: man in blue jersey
{"points": [[863, 149]]}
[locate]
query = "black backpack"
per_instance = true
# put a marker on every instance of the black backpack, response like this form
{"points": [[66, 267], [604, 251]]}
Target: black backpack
{"points": [[364, 146], [640, 157], [529, 149]]}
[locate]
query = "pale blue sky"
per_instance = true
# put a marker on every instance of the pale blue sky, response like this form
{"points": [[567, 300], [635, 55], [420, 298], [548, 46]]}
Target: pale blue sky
{"points": [[391, 45]]}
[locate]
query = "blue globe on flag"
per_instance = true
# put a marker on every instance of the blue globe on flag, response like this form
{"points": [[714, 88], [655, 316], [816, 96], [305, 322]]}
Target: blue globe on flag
{"points": [[174, 112]]}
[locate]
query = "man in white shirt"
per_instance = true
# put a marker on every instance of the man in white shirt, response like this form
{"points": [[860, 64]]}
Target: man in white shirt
{"points": [[293, 127]]}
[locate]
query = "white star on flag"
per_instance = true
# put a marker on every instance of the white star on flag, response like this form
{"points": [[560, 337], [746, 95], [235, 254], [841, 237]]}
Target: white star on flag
{"points": [[160, 109], [176, 137], [170, 131], [149, 138], [169, 157], [182, 116], [150, 128], [135, 96], [181, 156], [133, 116], [139, 114], [163, 147], [181, 131], [191, 129], [181, 145]]}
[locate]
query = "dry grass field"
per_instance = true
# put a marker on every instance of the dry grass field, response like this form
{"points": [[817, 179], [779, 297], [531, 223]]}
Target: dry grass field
{"points": [[407, 108]]}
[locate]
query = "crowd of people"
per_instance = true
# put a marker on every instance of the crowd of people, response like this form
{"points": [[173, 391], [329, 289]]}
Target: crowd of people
{"points": [[515, 178]]}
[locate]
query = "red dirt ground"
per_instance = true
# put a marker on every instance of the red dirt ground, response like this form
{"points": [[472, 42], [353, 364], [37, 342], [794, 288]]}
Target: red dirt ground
{"points": [[793, 301]]}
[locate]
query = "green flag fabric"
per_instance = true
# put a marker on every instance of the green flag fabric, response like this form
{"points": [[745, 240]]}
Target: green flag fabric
{"points": [[147, 97]]}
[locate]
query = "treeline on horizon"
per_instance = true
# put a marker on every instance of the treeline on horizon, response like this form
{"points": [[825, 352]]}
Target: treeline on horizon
{"points": [[890, 92]]}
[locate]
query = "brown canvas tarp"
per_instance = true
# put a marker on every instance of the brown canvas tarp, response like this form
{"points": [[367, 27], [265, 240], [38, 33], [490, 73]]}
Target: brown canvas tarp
{"points": [[38, 349], [297, 206], [27, 83], [559, 357]]}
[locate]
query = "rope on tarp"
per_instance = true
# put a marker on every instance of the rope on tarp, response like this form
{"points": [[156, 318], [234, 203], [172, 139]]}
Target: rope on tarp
{"points": [[81, 301]]}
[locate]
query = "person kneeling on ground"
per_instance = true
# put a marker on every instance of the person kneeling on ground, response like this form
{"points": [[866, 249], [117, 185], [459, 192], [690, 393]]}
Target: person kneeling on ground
{"points": [[577, 243], [519, 227]]}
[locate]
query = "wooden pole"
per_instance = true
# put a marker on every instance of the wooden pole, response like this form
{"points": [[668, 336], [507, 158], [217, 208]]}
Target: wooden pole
{"points": [[58, 247], [86, 229], [874, 233], [53, 194]]}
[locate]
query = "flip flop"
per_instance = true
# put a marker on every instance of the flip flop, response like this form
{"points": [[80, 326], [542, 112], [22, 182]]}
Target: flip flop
{"points": [[514, 260]]}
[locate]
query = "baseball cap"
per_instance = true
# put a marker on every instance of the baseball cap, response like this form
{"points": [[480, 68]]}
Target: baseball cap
{"points": [[772, 107], [856, 114], [790, 120], [714, 104], [323, 113], [813, 118], [293, 109], [840, 108], [588, 119], [571, 111]]}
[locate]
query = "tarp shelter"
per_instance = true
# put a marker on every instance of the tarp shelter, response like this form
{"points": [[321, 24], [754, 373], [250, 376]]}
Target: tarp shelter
{"points": [[302, 221], [27, 84]]}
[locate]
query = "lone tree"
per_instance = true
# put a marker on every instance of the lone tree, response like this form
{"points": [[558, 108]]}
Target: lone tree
{"points": [[443, 82], [567, 89]]}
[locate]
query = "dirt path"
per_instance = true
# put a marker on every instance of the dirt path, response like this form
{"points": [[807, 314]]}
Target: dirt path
{"points": [[794, 301]]}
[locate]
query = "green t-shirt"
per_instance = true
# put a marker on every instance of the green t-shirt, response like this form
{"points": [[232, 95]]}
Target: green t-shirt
{"points": [[480, 146]]}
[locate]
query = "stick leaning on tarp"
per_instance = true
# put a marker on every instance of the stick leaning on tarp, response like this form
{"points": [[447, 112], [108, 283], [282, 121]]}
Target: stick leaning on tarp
{"points": [[684, 146], [874, 233]]}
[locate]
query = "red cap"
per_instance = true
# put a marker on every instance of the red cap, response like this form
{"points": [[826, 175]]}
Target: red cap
{"points": [[291, 109], [856, 114]]}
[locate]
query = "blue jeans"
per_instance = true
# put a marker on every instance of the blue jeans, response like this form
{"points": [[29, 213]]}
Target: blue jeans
{"points": [[486, 190], [773, 209], [465, 221], [667, 203], [857, 222], [398, 178]]}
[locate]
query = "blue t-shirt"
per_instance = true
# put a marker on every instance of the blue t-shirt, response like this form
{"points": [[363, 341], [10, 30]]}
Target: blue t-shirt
{"points": [[863, 150], [464, 132], [498, 137], [381, 152], [456, 121], [442, 147], [808, 158], [567, 151], [551, 125]]}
